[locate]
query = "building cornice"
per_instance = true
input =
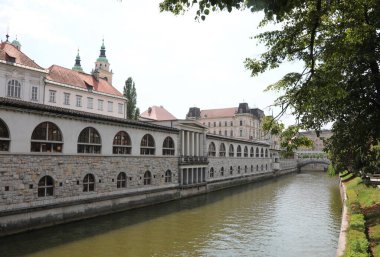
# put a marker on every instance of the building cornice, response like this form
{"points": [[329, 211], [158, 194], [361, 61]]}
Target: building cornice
{"points": [[24, 66]]}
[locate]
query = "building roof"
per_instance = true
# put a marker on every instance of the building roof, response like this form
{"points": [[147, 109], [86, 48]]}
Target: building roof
{"points": [[157, 113], [71, 113], [81, 80], [9, 51], [216, 113]]}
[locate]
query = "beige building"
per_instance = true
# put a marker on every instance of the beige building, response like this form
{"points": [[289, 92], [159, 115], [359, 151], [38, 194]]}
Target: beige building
{"points": [[236, 122]]}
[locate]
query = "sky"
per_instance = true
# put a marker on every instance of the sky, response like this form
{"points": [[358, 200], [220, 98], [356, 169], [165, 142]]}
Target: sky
{"points": [[175, 61]]}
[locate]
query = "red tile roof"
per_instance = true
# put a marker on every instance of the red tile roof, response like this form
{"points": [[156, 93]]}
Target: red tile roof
{"points": [[79, 79], [157, 113], [8, 50], [216, 113]]}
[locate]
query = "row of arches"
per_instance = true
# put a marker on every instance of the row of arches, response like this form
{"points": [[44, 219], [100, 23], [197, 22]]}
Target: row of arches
{"points": [[46, 185], [47, 137], [258, 153], [231, 171]]}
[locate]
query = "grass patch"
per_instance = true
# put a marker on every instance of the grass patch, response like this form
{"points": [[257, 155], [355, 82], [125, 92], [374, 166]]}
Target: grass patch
{"points": [[363, 204]]}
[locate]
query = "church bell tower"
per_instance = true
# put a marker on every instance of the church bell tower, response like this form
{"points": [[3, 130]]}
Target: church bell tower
{"points": [[102, 65]]}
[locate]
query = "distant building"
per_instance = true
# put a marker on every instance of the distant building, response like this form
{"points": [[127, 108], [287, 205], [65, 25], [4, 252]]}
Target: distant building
{"points": [[156, 113], [236, 122]]}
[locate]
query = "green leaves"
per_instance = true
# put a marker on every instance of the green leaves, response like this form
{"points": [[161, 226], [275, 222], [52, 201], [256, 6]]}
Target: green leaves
{"points": [[129, 92], [338, 44]]}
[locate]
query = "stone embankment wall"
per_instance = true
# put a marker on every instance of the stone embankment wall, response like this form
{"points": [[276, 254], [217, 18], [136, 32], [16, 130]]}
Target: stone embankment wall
{"points": [[22, 209]]}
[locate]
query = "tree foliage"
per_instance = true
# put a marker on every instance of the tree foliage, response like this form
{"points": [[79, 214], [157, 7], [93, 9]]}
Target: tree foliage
{"points": [[129, 92], [338, 43], [290, 138]]}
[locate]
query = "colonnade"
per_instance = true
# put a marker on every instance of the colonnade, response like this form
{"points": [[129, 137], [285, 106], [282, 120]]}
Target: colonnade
{"points": [[191, 176], [192, 143]]}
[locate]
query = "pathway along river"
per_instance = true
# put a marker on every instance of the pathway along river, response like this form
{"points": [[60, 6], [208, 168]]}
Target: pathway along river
{"points": [[294, 215]]}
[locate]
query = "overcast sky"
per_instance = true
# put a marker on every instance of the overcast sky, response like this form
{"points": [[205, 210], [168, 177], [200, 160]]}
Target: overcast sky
{"points": [[175, 61]]}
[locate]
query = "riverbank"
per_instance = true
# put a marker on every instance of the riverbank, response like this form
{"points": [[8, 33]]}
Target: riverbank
{"points": [[361, 226]]}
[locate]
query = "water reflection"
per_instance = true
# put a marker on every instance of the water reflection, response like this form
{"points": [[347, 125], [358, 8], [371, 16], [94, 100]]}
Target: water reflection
{"points": [[296, 215]]}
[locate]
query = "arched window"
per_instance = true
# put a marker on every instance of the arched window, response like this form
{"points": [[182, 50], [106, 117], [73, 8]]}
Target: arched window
{"points": [[266, 153], [257, 152], [46, 186], [252, 152], [257, 167], [14, 89], [238, 151], [211, 149], [121, 180], [147, 178], [4, 137], [231, 170], [88, 183], [168, 176], [231, 151], [222, 171], [262, 153], [245, 169], [251, 168], [222, 150], [46, 137], [211, 172], [89, 141], [238, 169], [147, 145], [122, 143], [245, 151], [262, 167], [168, 146], [266, 166]]}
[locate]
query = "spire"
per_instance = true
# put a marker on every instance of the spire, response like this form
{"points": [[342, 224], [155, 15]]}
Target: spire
{"points": [[77, 65], [102, 55]]}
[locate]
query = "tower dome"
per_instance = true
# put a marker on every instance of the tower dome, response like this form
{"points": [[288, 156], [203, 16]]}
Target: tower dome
{"points": [[16, 43]]}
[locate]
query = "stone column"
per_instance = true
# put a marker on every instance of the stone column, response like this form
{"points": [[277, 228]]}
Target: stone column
{"points": [[183, 142], [187, 143], [192, 143]]}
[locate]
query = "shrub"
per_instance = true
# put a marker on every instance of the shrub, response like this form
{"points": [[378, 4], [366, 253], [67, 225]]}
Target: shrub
{"points": [[357, 222]]}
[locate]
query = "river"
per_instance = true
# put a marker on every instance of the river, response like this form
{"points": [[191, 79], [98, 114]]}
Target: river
{"points": [[294, 215]]}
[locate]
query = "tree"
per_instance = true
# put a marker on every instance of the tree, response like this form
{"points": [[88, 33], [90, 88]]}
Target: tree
{"points": [[290, 138], [129, 91], [338, 43]]}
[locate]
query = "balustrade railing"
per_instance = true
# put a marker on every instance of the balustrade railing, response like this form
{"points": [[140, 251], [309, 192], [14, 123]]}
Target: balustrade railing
{"points": [[188, 159]]}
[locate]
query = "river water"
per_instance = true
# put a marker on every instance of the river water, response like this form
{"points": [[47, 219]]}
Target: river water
{"points": [[291, 216]]}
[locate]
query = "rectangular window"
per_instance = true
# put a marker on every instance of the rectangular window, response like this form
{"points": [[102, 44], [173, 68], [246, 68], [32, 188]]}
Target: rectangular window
{"points": [[52, 96], [34, 93], [100, 105], [66, 98], [79, 101], [90, 103], [110, 106], [120, 108]]}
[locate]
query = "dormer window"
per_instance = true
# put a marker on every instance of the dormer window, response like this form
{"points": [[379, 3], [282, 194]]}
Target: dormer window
{"points": [[9, 58], [90, 88]]}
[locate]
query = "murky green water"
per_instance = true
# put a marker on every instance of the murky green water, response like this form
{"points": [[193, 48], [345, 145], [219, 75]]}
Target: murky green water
{"points": [[292, 216]]}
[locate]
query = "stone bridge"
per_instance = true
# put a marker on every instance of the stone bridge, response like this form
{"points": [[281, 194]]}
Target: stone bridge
{"points": [[306, 161]]}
